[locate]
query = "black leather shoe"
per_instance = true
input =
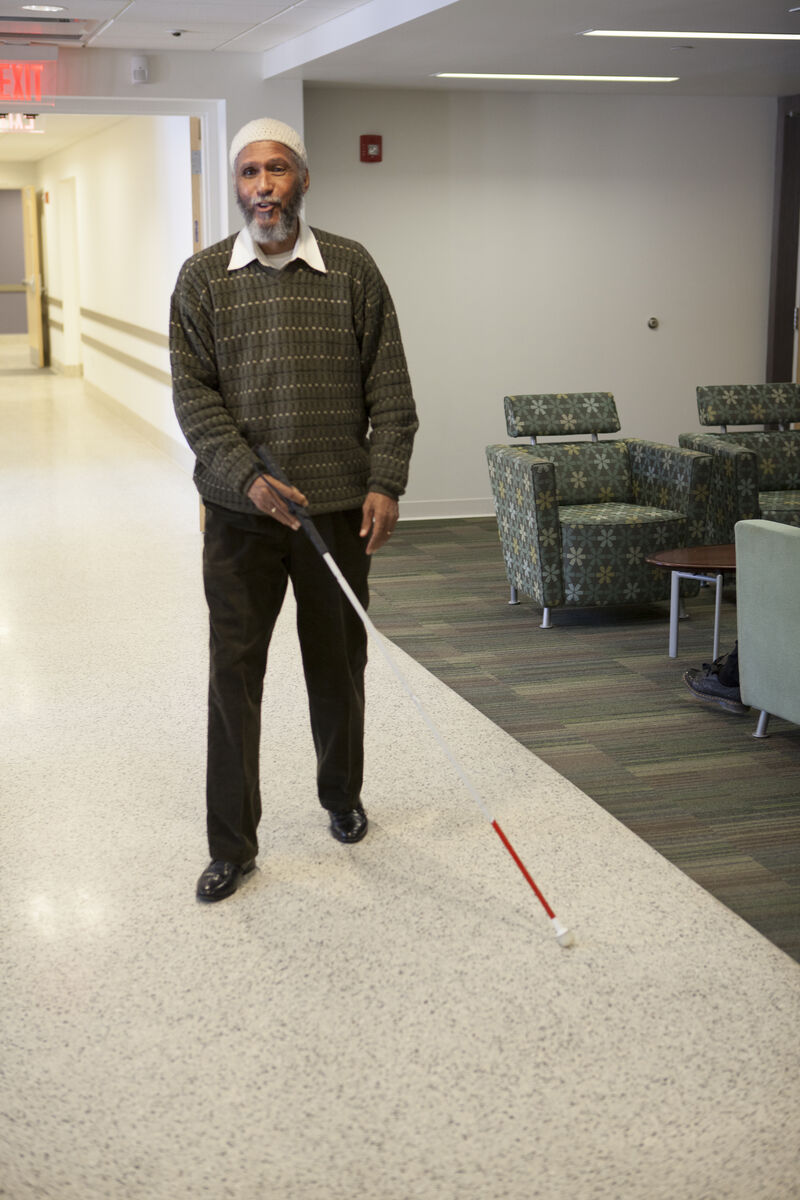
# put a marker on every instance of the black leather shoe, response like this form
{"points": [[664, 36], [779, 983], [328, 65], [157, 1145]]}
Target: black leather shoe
{"points": [[221, 878], [349, 826]]}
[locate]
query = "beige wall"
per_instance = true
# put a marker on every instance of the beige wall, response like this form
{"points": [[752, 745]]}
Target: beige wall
{"points": [[528, 238], [17, 175]]}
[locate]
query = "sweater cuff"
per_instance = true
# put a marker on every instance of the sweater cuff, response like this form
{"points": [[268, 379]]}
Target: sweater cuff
{"points": [[383, 491], [251, 478]]}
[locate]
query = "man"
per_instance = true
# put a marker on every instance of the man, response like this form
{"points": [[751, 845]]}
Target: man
{"points": [[285, 337], [718, 682]]}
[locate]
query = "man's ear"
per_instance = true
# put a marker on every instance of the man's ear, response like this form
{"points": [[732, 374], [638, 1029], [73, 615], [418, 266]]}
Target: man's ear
{"points": [[306, 182]]}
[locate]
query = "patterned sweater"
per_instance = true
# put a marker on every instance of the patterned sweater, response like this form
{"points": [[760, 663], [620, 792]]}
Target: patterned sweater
{"points": [[311, 365]]}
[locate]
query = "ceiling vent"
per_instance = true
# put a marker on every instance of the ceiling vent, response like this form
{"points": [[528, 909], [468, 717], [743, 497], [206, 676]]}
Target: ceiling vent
{"points": [[45, 31]]}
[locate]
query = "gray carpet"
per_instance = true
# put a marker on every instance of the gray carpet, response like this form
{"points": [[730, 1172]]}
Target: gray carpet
{"points": [[598, 699]]}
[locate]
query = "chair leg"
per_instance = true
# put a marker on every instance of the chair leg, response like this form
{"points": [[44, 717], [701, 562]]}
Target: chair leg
{"points": [[545, 619], [513, 597], [761, 728]]}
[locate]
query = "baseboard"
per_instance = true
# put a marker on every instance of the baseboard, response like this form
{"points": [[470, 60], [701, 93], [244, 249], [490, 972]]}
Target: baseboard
{"points": [[442, 510], [13, 339], [69, 370], [410, 510], [178, 452]]}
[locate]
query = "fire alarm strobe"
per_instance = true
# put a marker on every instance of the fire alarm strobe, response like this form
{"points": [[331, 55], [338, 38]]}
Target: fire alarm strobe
{"points": [[371, 147]]}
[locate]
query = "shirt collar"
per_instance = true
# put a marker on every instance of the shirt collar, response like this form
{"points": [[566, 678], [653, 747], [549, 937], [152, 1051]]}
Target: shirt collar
{"points": [[306, 247]]}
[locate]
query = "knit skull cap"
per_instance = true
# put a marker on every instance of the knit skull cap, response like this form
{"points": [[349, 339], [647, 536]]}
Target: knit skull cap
{"points": [[266, 129]]}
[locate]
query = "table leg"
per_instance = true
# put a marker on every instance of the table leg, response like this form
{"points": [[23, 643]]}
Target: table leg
{"points": [[674, 605], [717, 608]]}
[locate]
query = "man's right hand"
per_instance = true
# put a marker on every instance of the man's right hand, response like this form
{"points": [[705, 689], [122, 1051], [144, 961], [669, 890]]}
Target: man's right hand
{"points": [[270, 495]]}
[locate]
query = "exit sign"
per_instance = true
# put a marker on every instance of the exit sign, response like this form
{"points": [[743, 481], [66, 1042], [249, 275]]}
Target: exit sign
{"points": [[26, 77], [18, 123], [21, 82]]}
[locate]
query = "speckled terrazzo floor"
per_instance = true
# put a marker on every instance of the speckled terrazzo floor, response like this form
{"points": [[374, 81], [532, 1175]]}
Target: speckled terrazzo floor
{"points": [[391, 1021]]}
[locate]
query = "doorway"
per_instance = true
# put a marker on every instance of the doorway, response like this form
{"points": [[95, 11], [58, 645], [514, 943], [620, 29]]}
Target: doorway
{"points": [[124, 204], [54, 287], [13, 321]]}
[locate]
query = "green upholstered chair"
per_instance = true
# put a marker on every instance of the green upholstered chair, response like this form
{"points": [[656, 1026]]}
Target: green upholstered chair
{"points": [[577, 519], [768, 619], [756, 472]]}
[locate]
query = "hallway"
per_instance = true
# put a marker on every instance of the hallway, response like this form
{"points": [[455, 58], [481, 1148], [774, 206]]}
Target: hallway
{"points": [[388, 1021]]}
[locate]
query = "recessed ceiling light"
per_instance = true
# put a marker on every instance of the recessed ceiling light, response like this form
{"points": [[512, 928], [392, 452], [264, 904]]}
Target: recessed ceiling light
{"points": [[692, 34], [572, 78], [43, 7]]}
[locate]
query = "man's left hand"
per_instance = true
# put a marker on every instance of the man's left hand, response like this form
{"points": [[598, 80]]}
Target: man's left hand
{"points": [[380, 517]]}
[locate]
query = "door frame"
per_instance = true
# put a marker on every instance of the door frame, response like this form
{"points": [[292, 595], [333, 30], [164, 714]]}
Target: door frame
{"points": [[781, 334], [34, 289]]}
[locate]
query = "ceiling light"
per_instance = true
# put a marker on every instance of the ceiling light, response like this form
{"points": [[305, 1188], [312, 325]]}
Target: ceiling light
{"points": [[692, 35], [43, 7], [571, 78]]}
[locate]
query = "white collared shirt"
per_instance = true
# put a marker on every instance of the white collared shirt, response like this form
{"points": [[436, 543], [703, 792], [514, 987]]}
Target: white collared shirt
{"points": [[306, 247]]}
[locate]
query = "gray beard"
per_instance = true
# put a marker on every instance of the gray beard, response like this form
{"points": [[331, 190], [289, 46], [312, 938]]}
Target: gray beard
{"points": [[278, 232], [283, 227]]}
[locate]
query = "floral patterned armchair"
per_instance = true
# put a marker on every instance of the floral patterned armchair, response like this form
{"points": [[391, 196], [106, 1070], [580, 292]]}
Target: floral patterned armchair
{"points": [[577, 519], [756, 473]]}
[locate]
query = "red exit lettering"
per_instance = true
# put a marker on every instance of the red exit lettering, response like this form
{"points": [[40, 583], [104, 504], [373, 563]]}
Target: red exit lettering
{"points": [[21, 81]]}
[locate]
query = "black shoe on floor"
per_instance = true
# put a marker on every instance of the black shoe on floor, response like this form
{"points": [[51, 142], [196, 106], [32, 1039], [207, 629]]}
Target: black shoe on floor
{"points": [[221, 879], [704, 685], [349, 826]]}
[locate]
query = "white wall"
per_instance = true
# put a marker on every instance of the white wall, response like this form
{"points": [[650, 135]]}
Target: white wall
{"points": [[528, 238]]}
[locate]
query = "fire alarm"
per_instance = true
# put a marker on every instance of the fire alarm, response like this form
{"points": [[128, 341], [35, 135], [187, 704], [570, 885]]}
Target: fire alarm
{"points": [[371, 147]]}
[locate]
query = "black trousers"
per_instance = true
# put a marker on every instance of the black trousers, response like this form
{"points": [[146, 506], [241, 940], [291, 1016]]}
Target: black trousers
{"points": [[729, 667], [245, 573]]}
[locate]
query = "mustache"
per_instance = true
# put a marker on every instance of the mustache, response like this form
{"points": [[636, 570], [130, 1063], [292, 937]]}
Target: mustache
{"points": [[289, 205], [265, 200]]}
